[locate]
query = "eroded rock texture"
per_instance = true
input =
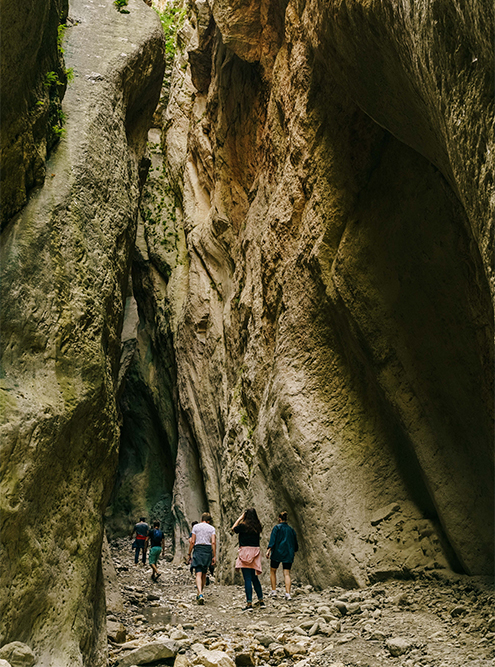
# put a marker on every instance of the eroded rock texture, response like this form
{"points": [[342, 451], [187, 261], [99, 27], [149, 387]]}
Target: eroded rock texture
{"points": [[33, 83], [65, 262], [334, 164]]}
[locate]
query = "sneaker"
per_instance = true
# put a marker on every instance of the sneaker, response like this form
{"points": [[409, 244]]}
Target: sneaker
{"points": [[200, 599], [248, 607], [158, 575], [288, 596], [273, 594], [262, 604]]}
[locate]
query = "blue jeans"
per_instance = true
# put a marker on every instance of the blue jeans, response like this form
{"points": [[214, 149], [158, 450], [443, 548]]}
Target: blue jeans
{"points": [[140, 546], [250, 580]]}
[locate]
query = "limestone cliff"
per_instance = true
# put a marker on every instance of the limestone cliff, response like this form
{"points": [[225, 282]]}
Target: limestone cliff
{"points": [[305, 321], [334, 165], [65, 263], [33, 80]]}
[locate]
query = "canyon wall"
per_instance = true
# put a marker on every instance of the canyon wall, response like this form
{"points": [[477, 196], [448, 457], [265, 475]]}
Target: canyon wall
{"points": [[33, 80], [333, 167], [65, 262], [297, 315]]}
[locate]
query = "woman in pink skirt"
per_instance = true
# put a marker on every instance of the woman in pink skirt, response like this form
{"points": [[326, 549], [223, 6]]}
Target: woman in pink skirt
{"points": [[248, 527]]}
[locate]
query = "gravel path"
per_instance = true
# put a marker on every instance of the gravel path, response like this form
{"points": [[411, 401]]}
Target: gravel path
{"points": [[437, 620]]}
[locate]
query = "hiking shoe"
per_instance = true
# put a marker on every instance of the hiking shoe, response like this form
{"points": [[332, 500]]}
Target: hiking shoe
{"points": [[262, 604], [207, 580], [273, 594], [200, 599], [158, 575], [248, 607]]}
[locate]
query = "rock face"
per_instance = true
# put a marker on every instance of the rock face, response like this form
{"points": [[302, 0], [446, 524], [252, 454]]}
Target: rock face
{"points": [[33, 80], [334, 338], [308, 323], [65, 263]]}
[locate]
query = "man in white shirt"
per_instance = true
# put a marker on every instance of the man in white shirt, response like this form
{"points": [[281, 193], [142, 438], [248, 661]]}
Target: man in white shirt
{"points": [[203, 545]]}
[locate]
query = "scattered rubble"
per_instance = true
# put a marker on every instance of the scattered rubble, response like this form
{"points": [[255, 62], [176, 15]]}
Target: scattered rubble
{"points": [[436, 620]]}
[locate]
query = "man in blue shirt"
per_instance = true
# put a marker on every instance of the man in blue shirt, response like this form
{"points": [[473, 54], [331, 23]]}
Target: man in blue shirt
{"points": [[156, 539], [281, 549]]}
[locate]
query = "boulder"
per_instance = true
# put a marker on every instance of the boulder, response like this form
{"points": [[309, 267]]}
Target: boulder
{"points": [[213, 658], [116, 631], [158, 650], [17, 654], [398, 645]]}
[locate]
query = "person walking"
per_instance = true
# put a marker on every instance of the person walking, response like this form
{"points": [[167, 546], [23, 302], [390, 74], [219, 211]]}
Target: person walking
{"points": [[281, 549], [203, 547], [249, 528], [156, 540], [141, 529]]}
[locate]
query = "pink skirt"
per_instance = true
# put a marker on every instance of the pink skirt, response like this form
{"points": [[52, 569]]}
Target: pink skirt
{"points": [[249, 557]]}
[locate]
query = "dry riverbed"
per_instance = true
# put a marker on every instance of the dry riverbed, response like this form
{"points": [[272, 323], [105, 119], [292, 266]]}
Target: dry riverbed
{"points": [[437, 620]]}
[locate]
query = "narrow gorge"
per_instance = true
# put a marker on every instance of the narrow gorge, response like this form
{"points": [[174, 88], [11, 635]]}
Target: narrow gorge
{"points": [[247, 259]]}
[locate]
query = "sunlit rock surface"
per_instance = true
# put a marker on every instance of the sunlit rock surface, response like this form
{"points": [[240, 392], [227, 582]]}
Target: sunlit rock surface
{"points": [[334, 347], [65, 262]]}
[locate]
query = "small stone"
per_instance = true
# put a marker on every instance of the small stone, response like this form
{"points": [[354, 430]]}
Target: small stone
{"points": [[401, 600], [459, 610], [354, 608], [300, 631], [384, 513], [377, 636], [116, 631], [178, 634], [265, 640], [17, 654], [292, 650], [245, 658], [278, 653], [4, 663], [341, 606], [345, 639], [398, 646], [306, 625], [313, 630]]}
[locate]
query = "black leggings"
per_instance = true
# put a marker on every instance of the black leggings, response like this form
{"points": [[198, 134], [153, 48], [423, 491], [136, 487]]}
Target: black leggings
{"points": [[250, 580]]}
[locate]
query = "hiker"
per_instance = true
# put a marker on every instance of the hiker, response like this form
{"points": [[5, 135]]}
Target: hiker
{"points": [[249, 528], [203, 547], [188, 558], [281, 549], [156, 539], [141, 529]]}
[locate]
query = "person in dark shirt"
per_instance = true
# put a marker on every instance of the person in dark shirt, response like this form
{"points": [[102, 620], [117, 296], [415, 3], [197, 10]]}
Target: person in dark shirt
{"points": [[248, 527], [141, 529], [281, 549], [156, 540]]}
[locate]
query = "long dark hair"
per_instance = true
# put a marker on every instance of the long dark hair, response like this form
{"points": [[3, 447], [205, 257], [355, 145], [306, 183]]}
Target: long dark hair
{"points": [[251, 521]]}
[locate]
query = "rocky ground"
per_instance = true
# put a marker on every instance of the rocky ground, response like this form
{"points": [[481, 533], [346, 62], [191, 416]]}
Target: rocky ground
{"points": [[437, 620]]}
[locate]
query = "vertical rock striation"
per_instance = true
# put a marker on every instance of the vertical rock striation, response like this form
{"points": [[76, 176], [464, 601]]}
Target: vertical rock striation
{"points": [[33, 80], [65, 261], [334, 347]]}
